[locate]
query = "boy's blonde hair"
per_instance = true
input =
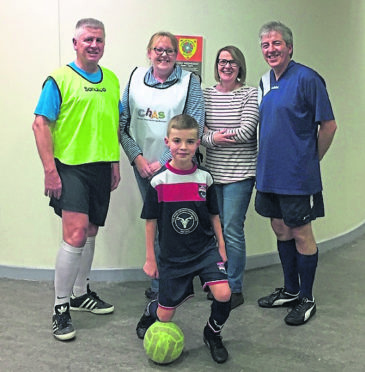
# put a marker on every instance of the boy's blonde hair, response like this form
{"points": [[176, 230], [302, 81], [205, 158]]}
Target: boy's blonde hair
{"points": [[183, 121]]}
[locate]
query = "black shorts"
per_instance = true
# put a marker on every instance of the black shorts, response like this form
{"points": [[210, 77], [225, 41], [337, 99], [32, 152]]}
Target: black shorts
{"points": [[174, 291], [85, 189], [295, 210]]}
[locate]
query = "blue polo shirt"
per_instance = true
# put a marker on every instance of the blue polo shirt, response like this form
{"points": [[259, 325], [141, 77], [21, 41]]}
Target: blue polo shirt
{"points": [[290, 114]]}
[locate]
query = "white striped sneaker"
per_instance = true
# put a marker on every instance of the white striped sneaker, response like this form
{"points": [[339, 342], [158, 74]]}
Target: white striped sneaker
{"points": [[61, 323], [302, 312], [91, 302]]}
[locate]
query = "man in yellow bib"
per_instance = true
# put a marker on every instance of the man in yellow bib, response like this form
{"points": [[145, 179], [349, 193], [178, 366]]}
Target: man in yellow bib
{"points": [[76, 132]]}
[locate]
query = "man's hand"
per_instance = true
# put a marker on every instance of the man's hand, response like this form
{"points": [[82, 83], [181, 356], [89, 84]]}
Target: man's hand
{"points": [[115, 176], [52, 184]]}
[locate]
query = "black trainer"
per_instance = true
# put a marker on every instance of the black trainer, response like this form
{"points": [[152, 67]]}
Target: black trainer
{"points": [[62, 324], [210, 296], [91, 302], [214, 342], [278, 298], [301, 313], [145, 322], [237, 299], [150, 294]]}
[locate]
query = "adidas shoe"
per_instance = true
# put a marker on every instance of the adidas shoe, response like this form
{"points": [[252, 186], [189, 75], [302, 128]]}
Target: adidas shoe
{"points": [[145, 322], [301, 313], [214, 342], [62, 324], [90, 301], [278, 298]]}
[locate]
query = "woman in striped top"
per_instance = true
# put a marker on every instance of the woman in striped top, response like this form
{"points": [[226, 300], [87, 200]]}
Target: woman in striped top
{"points": [[231, 118]]}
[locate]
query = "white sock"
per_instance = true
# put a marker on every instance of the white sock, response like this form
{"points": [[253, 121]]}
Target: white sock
{"points": [[67, 265], [82, 279]]}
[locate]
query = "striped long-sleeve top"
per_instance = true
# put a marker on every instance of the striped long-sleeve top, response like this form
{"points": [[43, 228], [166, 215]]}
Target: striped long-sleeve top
{"points": [[236, 111]]}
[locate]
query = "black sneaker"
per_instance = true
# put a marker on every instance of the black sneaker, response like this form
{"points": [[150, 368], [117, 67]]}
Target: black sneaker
{"points": [[210, 296], [145, 322], [90, 301], [301, 313], [278, 298], [150, 294], [215, 345], [236, 300], [62, 324]]}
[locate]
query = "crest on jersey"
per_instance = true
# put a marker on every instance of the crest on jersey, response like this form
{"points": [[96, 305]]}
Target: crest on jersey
{"points": [[222, 267], [202, 190], [184, 221]]}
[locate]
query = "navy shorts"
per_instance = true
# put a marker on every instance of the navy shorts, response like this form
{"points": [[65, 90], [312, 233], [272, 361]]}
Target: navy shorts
{"points": [[85, 189], [295, 210], [174, 291]]}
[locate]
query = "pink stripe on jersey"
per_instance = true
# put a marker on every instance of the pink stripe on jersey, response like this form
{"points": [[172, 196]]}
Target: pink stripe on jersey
{"points": [[177, 192]]}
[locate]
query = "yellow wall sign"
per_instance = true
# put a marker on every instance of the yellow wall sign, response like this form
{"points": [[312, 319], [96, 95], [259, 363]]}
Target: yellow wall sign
{"points": [[190, 53]]}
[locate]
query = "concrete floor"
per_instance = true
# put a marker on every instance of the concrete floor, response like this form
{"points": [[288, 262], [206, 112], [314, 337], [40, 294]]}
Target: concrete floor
{"points": [[257, 339]]}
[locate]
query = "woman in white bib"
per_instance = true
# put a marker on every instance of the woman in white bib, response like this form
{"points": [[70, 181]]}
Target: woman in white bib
{"points": [[151, 98]]}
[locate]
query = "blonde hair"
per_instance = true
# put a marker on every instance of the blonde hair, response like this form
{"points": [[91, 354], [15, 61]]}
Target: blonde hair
{"points": [[159, 34]]}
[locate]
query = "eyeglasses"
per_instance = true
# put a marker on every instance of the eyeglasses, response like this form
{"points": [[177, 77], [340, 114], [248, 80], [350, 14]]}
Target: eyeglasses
{"points": [[160, 51], [223, 62]]}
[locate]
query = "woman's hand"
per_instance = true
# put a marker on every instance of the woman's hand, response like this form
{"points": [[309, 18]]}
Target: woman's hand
{"points": [[222, 137], [143, 167], [155, 166]]}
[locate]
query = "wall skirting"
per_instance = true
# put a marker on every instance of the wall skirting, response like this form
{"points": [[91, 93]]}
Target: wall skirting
{"points": [[127, 275]]}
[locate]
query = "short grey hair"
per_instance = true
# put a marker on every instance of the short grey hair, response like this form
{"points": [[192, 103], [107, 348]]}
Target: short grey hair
{"points": [[88, 22], [279, 27]]}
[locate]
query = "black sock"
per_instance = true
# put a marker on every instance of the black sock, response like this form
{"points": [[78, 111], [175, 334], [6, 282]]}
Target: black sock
{"points": [[307, 266], [219, 315], [288, 257]]}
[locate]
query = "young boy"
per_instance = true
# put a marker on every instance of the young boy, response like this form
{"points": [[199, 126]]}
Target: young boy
{"points": [[181, 201]]}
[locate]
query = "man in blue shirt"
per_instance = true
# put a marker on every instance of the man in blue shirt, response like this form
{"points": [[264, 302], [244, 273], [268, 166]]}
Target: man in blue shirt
{"points": [[297, 127]]}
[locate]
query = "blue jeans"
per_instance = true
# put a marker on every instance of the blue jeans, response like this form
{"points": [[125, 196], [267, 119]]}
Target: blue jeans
{"points": [[233, 201], [143, 184]]}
